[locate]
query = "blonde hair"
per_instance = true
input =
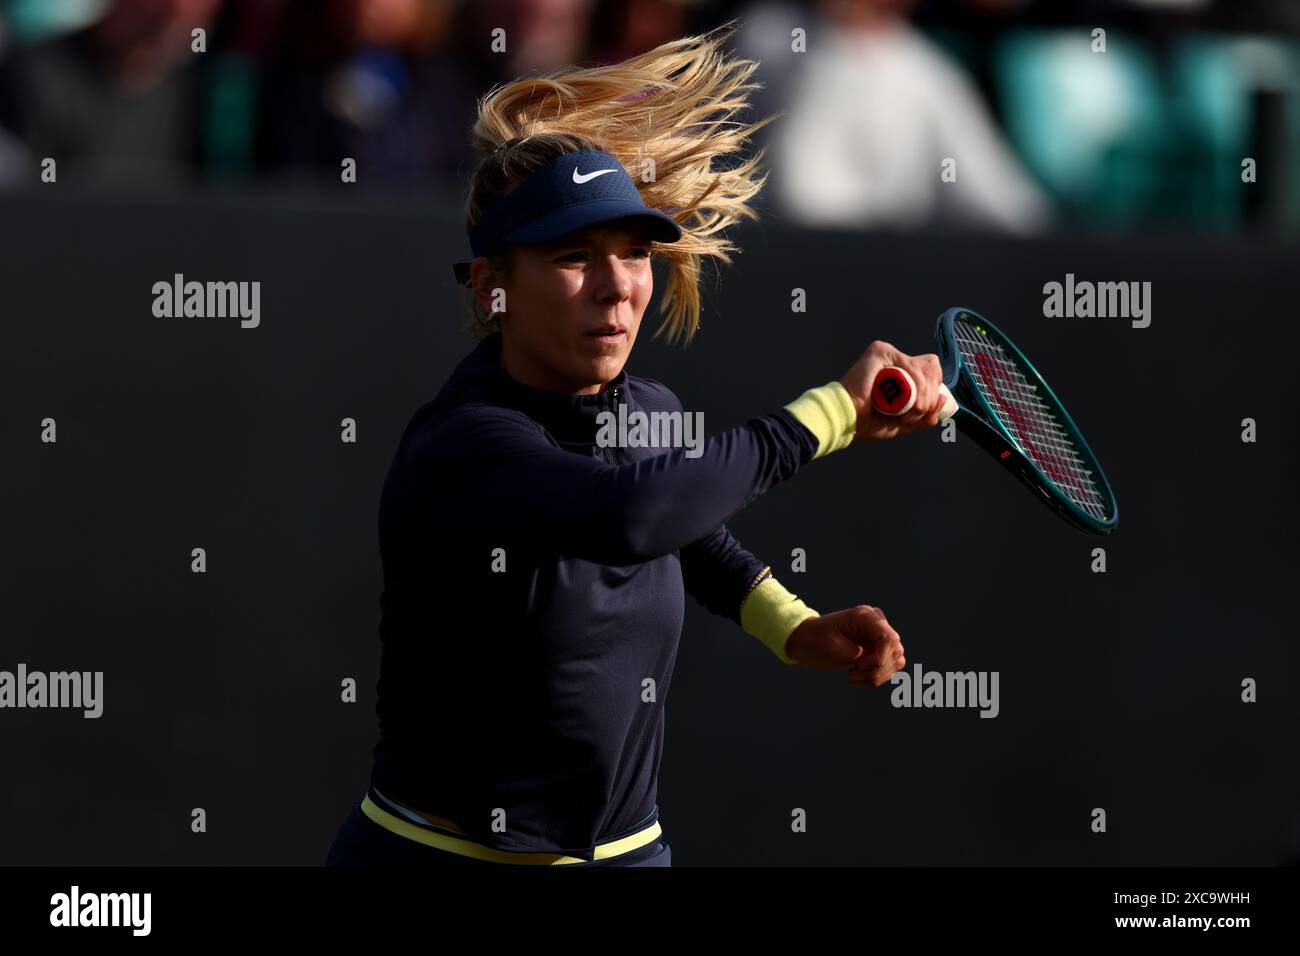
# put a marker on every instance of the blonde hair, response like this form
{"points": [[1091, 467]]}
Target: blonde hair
{"points": [[668, 110]]}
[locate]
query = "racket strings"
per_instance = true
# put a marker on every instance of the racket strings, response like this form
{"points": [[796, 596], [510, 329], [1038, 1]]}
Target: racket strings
{"points": [[1028, 418]]}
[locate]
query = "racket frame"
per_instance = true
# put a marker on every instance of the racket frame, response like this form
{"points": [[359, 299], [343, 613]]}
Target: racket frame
{"points": [[984, 425]]}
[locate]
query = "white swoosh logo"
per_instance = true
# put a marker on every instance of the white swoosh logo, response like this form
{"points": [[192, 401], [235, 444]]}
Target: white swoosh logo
{"points": [[584, 177]]}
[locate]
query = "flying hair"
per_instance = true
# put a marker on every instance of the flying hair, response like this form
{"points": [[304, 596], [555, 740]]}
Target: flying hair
{"points": [[666, 115]]}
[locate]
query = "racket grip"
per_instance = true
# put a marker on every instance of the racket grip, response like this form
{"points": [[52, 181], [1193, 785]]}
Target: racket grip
{"points": [[894, 393]]}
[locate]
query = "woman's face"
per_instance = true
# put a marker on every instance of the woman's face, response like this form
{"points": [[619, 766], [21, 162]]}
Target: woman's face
{"points": [[573, 306]]}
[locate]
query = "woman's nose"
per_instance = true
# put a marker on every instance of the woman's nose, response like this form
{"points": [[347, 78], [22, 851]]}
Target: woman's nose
{"points": [[615, 279]]}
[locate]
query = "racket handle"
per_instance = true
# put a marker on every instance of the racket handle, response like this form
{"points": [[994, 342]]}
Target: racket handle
{"points": [[894, 393]]}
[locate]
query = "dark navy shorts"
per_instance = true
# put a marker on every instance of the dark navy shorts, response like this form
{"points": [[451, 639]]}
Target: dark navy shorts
{"points": [[362, 842]]}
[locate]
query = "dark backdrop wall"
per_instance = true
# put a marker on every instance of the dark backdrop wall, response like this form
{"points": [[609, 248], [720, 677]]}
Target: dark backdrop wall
{"points": [[1119, 690]]}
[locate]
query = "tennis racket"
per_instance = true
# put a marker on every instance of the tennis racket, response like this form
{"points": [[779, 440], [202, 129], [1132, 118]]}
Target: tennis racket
{"points": [[997, 397]]}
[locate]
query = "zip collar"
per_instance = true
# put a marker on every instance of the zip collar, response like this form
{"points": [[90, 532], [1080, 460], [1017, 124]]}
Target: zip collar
{"points": [[570, 419]]}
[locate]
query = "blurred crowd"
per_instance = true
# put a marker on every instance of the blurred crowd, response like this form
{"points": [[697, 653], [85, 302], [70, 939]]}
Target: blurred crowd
{"points": [[1014, 115]]}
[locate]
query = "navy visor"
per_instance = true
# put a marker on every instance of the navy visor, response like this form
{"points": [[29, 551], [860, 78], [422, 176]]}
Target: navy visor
{"points": [[570, 193]]}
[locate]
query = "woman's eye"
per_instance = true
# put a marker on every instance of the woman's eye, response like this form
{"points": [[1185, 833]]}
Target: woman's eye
{"points": [[639, 253]]}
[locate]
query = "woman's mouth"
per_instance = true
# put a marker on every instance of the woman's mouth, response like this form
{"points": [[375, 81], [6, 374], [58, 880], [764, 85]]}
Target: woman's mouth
{"points": [[609, 333]]}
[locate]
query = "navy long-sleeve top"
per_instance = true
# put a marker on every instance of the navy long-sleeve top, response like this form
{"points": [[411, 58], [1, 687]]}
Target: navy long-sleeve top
{"points": [[533, 600]]}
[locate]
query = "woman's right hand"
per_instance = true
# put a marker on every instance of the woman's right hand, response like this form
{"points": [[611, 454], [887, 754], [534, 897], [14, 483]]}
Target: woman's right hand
{"points": [[925, 372], [858, 638]]}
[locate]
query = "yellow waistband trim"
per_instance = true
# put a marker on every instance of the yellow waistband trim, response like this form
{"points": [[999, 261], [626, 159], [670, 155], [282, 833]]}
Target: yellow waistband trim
{"points": [[443, 841]]}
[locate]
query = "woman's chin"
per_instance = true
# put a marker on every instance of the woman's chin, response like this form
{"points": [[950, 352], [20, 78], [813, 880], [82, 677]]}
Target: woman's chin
{"points": [[605, 366]]}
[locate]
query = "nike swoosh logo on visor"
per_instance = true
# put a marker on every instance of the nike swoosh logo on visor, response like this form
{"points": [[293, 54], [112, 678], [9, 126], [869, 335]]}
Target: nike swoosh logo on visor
{"points": [[584, 177]]}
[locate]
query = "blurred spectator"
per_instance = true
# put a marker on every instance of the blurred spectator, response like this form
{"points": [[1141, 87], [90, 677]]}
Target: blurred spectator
{"points": [[394, 84], [543, 34], [875, 111], [115, 99], [625, 28], [886, 92], [371, 80]]}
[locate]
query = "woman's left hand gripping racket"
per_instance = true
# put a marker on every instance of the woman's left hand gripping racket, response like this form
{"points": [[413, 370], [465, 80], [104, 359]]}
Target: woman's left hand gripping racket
{"points": [[998, 398]]}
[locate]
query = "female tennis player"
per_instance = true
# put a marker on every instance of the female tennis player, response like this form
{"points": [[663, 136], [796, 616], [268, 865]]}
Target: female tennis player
{"points": [[534, 575]]}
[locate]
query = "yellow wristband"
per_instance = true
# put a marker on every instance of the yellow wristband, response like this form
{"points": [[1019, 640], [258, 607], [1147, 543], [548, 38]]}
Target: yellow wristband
{"points": [[771, 613], [829, 413]]}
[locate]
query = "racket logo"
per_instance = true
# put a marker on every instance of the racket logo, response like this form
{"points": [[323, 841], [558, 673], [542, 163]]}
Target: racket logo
{"points": [[891, 389], [1026, 426]]}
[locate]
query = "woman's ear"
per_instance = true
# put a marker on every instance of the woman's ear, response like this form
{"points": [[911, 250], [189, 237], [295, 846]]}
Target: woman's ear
{"points": [[483, 275], [489, 279]]}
